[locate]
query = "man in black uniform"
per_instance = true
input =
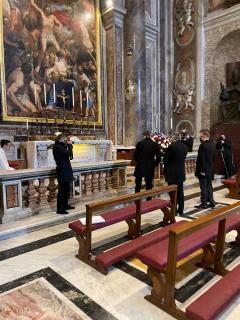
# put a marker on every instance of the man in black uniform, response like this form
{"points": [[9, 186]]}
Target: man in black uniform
{"points": [[174, 167], [225, 147], [205, 170], [62, 152], [147, 156]]}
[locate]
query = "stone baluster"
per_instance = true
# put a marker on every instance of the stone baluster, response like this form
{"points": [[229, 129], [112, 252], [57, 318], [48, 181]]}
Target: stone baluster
{"points": [[25, 194], [109, 178], [87, 184], [42, 192], [161, 170], [52, 188], [115, 179], [31, 192], [102, 181], [95, 182], [123, 177]]}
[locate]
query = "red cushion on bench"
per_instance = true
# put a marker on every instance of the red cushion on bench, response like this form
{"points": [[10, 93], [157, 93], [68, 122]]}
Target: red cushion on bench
{"points": [[212, 302], [156, 255], [108, 258], [231, 181], [121, 214]]}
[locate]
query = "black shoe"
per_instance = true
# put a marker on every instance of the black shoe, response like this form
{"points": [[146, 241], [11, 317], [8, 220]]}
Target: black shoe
{"points": [[69, 208], [202, 206], [179, 213], [211, 205], [62, 212]]}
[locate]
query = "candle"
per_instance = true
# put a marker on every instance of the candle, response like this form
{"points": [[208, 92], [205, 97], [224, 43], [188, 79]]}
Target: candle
{"points": [[35, 94], [87, 98], [54, 93], [81, 99], [94, 126], [45, 94], [171, 123], [27, 124], [73, 96]]}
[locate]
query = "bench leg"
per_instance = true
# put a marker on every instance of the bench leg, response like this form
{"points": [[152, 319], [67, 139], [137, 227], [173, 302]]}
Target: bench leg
{"points": [[158, 281], [208, 257], [133, 230], [82, 246], [168, 216]]}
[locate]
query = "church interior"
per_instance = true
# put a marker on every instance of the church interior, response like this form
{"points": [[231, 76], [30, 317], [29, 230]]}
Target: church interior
{"points": [[103, 76]]}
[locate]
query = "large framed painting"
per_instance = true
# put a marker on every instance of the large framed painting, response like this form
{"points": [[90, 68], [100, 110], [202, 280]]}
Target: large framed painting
{"points": [[50, 60]]}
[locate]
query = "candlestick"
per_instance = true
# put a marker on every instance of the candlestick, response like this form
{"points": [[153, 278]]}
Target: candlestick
{"points": [[27, 124], [73, 97], [81, 99], [54, 93], [45, 94], [171, 123], [94, 126], [87, 98]]}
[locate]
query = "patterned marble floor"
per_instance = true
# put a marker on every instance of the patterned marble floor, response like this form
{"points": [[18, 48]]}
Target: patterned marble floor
{"points": [[46, 258]]}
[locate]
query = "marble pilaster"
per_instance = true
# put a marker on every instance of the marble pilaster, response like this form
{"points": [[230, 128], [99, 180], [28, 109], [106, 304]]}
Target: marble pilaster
{"points": [[135, 72], [113, 16]]}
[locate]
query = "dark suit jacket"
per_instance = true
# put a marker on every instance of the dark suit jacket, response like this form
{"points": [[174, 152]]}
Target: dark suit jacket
{"points": [[62, 154], [174, 162], [189, 143], [205, 159], [226, 148], [147, 156]]}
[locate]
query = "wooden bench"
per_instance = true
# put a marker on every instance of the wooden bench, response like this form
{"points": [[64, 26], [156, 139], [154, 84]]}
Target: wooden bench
{"points": [[233, 186], [162, 257], [130, 213]]}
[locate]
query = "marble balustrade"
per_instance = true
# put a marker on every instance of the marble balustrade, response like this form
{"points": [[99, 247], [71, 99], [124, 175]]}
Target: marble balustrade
{"points": [[32, 191]]}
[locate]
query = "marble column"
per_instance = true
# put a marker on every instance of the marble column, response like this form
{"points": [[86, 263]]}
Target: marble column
{"points": [[113, 14], [135, 72]]}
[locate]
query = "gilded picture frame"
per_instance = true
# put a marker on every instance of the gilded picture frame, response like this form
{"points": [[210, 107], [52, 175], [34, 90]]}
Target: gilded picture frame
{"points": [[50, 61]]}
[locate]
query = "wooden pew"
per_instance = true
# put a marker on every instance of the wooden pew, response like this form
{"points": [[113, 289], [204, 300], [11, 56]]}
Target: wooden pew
{"points": [[131, 213], [162, 257], [233, 186]]}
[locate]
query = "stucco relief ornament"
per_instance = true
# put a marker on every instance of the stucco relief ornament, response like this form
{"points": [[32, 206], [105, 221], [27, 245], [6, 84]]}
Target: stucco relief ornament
{"points": [[184, 22], [184, 89], [130, 91]]}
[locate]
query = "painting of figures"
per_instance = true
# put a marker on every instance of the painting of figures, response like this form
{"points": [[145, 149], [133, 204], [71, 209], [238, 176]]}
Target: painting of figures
{"points": [[50, 60]]}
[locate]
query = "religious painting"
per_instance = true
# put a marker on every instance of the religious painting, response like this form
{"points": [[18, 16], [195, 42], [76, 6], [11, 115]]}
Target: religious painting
{"points": [[50, 60], [230, 95], [185, 24]]}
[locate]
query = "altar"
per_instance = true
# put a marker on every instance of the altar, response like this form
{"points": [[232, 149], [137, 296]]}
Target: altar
{"points": [[39, 153]]}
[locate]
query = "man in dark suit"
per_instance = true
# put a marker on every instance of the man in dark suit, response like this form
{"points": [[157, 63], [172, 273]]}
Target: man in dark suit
{"points": [[147, 156], [62, 152], [205, 170], [225, 147], [188, 140], [174, 167]]}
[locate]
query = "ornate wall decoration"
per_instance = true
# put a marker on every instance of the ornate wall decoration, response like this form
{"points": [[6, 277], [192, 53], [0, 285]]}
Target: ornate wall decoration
{"points": [[185, 125], [184, 22], [50, 59], [184, 88]]}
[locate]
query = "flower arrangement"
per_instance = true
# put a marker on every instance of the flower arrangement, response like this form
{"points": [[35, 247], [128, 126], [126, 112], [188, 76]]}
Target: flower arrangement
{"points": [[162, 140]]}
